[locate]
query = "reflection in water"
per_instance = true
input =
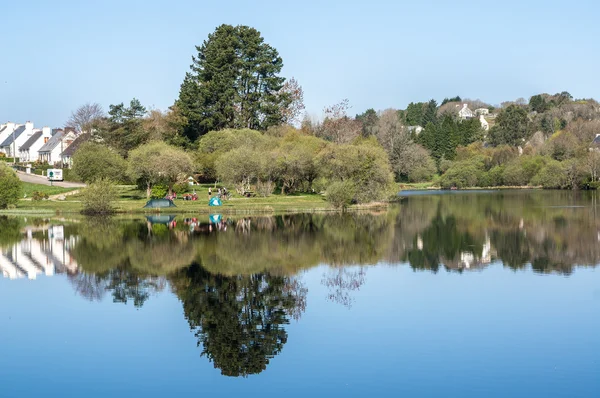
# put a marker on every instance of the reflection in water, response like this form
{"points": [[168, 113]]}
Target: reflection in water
{"points": [[238, 320], [236, 278], [40, 250]]}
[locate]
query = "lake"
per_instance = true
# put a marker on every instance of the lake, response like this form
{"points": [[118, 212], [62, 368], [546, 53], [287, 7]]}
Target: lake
{"points": [[479, 294]]}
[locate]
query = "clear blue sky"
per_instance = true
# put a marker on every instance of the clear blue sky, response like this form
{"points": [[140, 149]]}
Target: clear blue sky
{"points": [[55, 56]]}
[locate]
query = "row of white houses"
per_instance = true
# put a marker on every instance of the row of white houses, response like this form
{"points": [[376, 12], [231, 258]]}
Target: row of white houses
{"points": [[31, 145], [32, 257]]}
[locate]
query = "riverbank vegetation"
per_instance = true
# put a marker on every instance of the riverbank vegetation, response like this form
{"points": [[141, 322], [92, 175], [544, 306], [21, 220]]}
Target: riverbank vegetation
{"points": [[243, 128]]}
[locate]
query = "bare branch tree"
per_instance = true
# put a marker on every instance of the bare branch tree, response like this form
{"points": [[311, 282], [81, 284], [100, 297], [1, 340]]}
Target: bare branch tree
{"points": [[292, 113], [84, 117]]}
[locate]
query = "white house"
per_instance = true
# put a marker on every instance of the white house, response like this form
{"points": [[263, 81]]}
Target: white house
{"points": [[16, 139], [482, 111], [6, 131], [67, 154], [28, 152], [484, 123], [465, 112], [50, 152]]}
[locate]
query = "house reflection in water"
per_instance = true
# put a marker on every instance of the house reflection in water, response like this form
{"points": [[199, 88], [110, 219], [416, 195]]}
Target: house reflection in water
{"points": [[48, 254]]}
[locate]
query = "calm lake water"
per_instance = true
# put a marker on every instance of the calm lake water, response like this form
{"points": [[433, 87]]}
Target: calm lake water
{"points": [[490, 294]]}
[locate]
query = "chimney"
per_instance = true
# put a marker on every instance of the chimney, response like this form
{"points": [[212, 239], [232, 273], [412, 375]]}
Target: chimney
{"points": [[46, 133], [10, 126], [29, 127], [465, 106]]}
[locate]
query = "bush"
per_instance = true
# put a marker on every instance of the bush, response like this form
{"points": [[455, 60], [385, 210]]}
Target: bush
{"points": [[552, 175], [160, 191], [99, 197], [94, 161], [38, 195], [468, 173], [10, 187], [340, 194]]}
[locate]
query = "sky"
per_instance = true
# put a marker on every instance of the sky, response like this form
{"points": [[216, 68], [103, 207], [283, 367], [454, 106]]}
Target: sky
{"points": [[58, 55]]}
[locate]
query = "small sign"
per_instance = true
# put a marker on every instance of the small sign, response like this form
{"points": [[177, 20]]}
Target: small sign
{"points": [[55, 175]]}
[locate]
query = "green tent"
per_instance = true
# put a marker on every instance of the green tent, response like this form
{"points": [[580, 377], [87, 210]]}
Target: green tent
{"points": [[159, 204]]}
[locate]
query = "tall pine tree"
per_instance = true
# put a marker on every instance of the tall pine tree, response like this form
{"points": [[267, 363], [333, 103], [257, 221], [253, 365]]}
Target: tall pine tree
{"points": [[234, 82]]}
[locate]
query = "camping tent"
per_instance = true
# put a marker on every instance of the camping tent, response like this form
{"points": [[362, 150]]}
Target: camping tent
{"points": [[159, 204], [214, 201]]}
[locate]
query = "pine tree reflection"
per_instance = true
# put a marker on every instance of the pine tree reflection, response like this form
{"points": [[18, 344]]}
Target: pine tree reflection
{"points": [[238, 320]]}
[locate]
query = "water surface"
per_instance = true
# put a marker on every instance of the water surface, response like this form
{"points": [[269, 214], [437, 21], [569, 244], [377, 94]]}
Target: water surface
{"points": [[491, 294]]}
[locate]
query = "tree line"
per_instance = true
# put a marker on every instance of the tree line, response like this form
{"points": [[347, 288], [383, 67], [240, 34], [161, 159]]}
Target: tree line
{"points": [[238, 121]]}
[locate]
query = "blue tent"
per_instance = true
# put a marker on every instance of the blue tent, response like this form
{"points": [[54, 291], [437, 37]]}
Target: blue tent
{"points": [[159, 203], [214, 201], [215, 218]]}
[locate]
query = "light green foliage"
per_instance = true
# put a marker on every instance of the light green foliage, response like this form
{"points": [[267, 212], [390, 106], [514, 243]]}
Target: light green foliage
{"points": [[159, 163], [341, 193], [93, 161], [521, 170], [10, 187], [552, 175], [464, 174], [363, 163], [240, 167], [234, 82], [295, 166], [214, 144], [99, 197]]}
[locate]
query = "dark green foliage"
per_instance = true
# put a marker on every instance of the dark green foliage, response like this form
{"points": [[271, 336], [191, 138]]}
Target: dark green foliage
{"points": [[239, 321], [430, 113], [511, 127], [10, 187], [443, 137], [369, 121], [414, 114], [124, 130], [234, 82], [10, 231], [453, 99], [538, 104]]}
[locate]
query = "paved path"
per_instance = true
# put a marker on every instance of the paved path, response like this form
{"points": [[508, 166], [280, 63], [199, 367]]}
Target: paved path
{"points": [[36, 179]]}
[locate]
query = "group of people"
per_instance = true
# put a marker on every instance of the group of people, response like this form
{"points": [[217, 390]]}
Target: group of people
{"points": [[222, 193]]}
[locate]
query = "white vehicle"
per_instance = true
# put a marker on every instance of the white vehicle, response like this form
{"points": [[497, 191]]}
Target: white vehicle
{"points": [[55, 174]]}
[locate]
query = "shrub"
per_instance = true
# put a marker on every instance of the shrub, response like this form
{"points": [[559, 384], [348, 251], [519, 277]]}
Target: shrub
{"points": [[340, 194], [552, 175], [38, 195], [10, 187], [464, 174], [99, 197], [94, 161], [160, 191]]}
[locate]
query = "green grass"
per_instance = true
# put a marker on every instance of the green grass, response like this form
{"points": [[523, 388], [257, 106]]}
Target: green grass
{"points": [[132, 200], [29, 188], [418, 185]]}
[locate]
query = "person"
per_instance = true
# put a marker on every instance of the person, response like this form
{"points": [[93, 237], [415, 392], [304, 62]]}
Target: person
{"points": [[209, 192]]}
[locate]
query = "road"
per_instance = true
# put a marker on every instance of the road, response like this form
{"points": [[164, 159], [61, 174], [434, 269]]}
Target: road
{"points": [[36, 179]]}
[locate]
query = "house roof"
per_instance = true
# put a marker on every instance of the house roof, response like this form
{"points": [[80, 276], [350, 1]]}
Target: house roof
{"points": [[9, 140], [2, 129], [83, 138], [52, 142], [31, 141]]}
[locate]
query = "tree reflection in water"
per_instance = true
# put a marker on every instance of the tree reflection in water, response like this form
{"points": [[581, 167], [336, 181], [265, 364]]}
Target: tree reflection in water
{"points": [[238, 320]]}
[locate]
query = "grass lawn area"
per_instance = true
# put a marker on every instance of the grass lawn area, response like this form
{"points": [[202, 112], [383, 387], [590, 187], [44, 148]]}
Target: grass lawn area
{"points": [[29, 188], [132, 200], [417, 185]]}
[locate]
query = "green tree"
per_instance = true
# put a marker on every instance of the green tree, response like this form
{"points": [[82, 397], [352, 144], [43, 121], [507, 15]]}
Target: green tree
{"points": [[537, 103], [234, 82], [10, 187], [158, 163], [414, 114], [124, 129], [430, 112], [511, 127], [369, 120], [93, 161], [99, 197]]}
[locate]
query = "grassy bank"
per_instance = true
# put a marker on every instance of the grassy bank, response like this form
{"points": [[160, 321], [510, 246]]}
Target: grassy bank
{"points": [[132, 201], [29, 189]]}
